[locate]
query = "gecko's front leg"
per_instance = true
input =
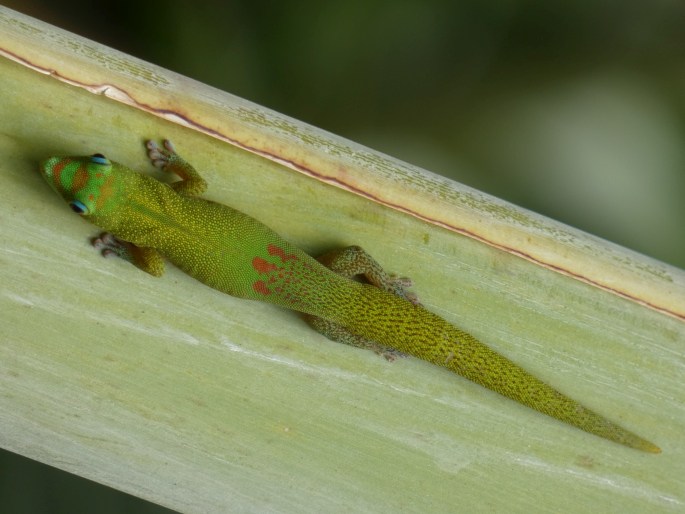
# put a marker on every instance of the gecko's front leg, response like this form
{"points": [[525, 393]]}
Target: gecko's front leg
{"points": [[147, 259]]}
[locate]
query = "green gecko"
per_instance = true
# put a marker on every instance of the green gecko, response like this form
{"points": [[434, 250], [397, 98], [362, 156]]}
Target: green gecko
{"points": [[146, 220]]}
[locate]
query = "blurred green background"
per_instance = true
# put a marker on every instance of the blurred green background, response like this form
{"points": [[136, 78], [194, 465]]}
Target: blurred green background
{"points": [[575, 110]]}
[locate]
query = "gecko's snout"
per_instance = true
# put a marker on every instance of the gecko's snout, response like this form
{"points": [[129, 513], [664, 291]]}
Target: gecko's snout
{"points": [[47, 166]]}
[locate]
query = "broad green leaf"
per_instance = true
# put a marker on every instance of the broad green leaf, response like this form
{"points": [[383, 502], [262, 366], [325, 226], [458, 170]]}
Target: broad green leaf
{"points": [[176, 393]]}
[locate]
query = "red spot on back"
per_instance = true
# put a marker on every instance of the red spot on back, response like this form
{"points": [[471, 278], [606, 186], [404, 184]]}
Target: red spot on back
{"points": [[260, 287], [262, 266], [280, 253], [277, 278]]}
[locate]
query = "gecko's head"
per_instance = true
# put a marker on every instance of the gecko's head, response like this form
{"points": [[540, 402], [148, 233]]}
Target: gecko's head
{"points": [[83, 182]]}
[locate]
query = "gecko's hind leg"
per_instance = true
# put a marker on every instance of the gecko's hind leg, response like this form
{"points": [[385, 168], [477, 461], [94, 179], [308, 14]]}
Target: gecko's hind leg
{"points": [[337, 333], [351, 262]]}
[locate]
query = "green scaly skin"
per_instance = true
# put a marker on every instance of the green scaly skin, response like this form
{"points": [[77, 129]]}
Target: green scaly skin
{"points": [[146, 219]]}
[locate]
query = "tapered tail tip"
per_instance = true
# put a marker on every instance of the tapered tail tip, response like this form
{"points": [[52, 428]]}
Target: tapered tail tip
{"points": [[651, 448], [642, 444]]}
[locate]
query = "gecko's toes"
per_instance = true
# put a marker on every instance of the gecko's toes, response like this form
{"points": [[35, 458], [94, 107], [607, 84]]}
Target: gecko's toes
{"points": [[104, 240], [151, 146], [391, 354], [412, 297], [403, 282], [169, 146], [160, 157], [109, 246], [399, 287]]}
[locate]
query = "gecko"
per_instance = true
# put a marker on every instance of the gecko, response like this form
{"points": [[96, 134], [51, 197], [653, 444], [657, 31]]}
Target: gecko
{"points": [[344, 294]]}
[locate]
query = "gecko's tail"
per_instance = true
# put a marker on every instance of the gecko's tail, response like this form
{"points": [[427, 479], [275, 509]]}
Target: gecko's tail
{"points": [[441, 343], [512, 381]]}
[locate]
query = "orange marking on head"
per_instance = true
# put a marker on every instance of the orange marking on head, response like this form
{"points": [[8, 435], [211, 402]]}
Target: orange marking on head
{"points": [[80, 178], [57, 170]]}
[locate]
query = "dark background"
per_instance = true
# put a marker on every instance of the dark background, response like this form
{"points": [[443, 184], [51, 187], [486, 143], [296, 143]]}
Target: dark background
{"points": [[573, 109]]}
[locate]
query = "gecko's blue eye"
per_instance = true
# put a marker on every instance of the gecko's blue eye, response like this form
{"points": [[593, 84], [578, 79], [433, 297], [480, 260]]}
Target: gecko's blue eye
{"points": [[98, 158], [78, 207]]}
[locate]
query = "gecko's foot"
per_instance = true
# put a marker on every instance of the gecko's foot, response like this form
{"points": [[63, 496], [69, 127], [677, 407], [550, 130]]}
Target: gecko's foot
{"points": [[340, 334], [391, 354], [399, 287], [160, 157], [110, 246], [387, 352], [147, 259]]}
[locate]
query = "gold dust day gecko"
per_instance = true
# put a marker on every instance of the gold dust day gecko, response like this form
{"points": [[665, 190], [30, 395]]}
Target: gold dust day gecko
{"points": [[147, 220]]}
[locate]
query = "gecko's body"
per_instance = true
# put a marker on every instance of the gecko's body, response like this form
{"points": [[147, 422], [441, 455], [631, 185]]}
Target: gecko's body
{"points": [[232, 252]]}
